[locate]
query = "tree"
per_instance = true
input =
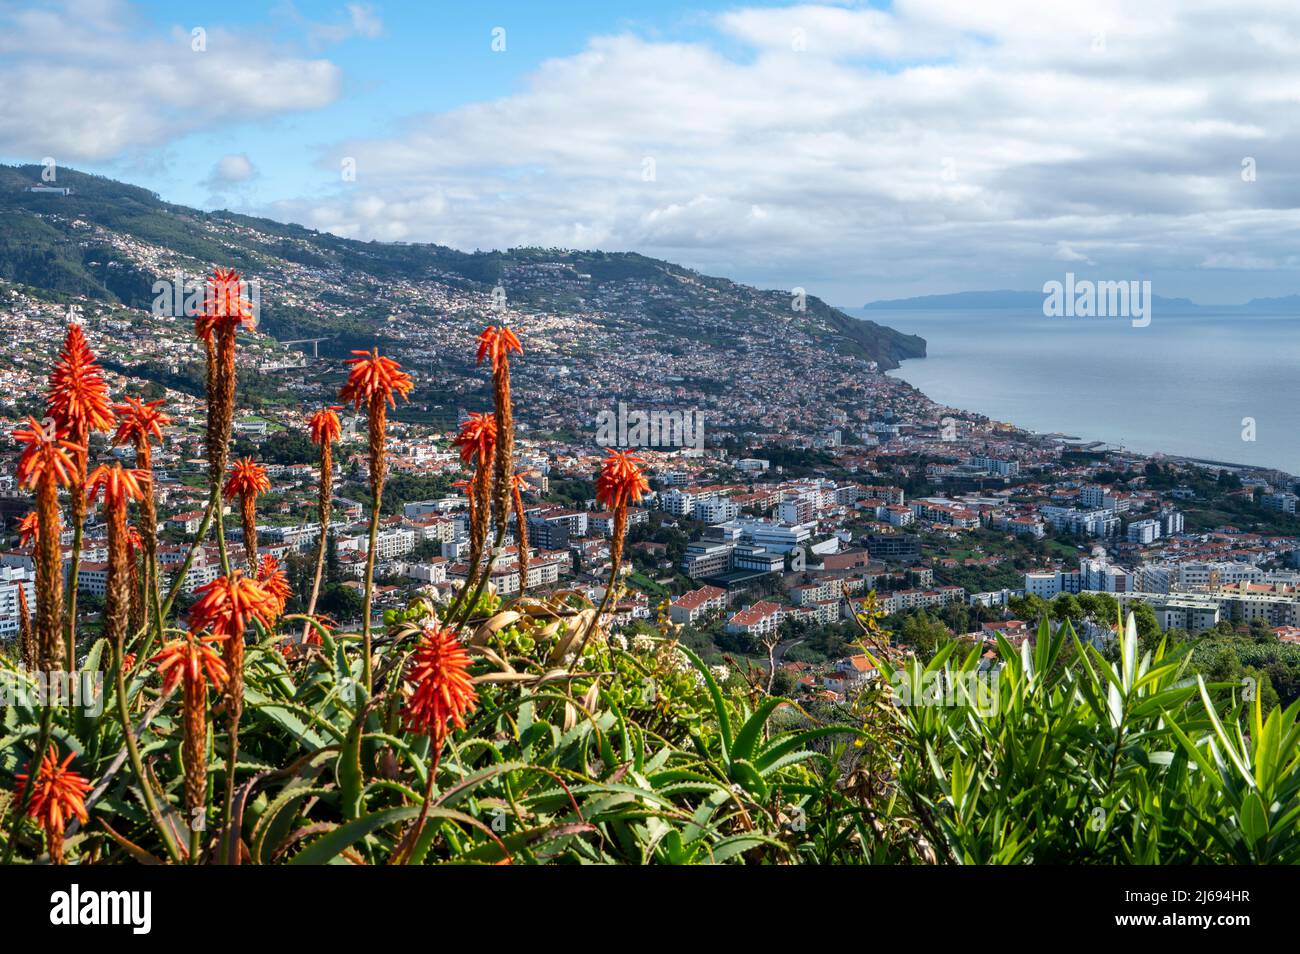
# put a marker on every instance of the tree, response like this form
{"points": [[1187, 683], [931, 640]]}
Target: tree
{"points": [[288, 447], [1268, 697], [1065, 606], [1261, 632], [341, 602], [783, 683], [1031, 607], [924, 633], [1102, 607]]}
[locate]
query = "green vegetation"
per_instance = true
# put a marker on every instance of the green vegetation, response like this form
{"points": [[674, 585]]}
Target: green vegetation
{"points": [[1134, 763], [401, 489], [46, 252]]}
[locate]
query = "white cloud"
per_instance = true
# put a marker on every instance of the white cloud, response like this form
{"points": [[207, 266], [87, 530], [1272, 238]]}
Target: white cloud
{"points": [[87, 81], [933, 146], [354, 20], [365, 20], [232, 169], [941, 143], [1064, 253]]}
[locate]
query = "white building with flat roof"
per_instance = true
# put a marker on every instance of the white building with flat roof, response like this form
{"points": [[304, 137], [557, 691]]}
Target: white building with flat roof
{"points": [[13, 579]]}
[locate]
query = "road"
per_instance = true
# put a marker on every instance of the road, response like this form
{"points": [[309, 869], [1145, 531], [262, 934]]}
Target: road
{"points": [[782, 648]]}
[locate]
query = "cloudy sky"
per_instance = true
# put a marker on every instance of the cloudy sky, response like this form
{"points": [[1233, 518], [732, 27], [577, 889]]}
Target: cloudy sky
{"points": [[859, 151]]}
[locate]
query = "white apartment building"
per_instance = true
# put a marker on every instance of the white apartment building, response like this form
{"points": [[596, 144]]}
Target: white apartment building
{"points": [[540, 573], [1192, 576], [773, 537], [1143, 531], [437, 529], [391, 544], [1156, 578], [707, 558], [1198, 611], [574, 521], [425, 508], [901, 600], [824, 612], [92, 579], [1285, 501], [691, 606], [679, 503], [1102, 498], [601, 523], [1093, 523], [809, 593], [897, 515], [946, 512], [1094, 575], [716, 510], [13, 579], [1045, 584], [1168, 577], [1003, 468], [543, 573], [758, 620], [1097, 575], [430, 571]]}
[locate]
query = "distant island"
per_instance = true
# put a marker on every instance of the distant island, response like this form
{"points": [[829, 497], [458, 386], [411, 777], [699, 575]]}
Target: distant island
{"points": [[1008, 299]]}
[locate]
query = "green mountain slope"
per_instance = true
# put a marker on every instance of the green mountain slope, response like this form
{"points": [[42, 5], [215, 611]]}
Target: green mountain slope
{"points": [[109, 241]]}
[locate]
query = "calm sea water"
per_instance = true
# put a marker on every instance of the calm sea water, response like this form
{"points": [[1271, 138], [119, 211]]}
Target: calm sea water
{"points": [[1182, 385]]}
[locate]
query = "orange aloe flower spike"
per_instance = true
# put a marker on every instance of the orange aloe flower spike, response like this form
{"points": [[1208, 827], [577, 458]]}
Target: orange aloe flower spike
{"points": [[27, 528], [442, 692], [373, 375], [224, 306], [229, 603], [47, 451], [117, 483], [271, 575], [325, 426], [496, 342], [247, 478], [193, 659], [139, 421], [58, 794], [621, 481], [477, 438], [78, 396]]}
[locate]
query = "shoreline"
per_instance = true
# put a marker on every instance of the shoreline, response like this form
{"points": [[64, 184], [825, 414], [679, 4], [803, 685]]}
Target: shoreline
{"points": [[1177, 458]]}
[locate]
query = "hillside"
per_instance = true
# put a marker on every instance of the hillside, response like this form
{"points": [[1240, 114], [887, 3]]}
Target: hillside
{"points": [[110, 242]]}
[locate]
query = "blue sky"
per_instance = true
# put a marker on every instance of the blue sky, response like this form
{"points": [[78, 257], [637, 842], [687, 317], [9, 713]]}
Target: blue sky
{"points": [[431, 56], [857, 150]]}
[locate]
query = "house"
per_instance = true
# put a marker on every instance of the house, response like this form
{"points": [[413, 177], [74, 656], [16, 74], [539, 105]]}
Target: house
{"points": [[762, 618], [689, 607], [188, 522], [1015, 631]]}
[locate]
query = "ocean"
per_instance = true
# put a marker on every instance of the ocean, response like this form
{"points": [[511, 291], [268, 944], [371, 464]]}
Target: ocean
{"points": [[1183, 385]]}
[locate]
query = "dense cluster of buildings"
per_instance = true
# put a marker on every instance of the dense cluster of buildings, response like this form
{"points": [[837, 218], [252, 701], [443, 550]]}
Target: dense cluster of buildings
{"points": [[767, 544]]}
